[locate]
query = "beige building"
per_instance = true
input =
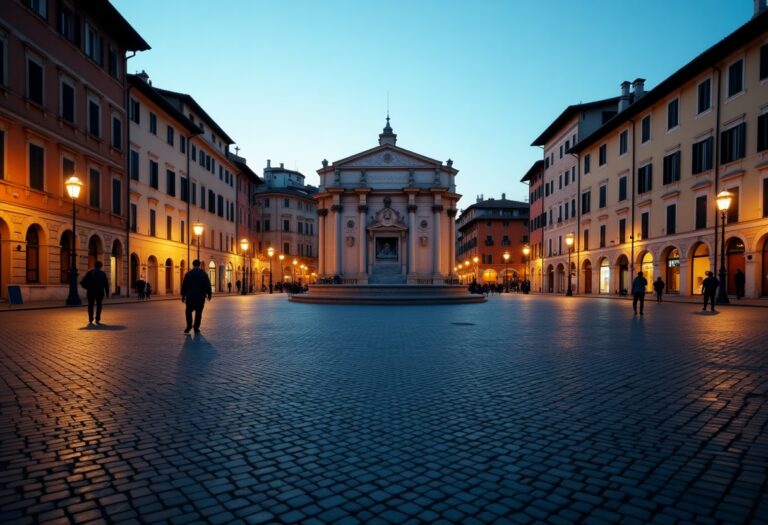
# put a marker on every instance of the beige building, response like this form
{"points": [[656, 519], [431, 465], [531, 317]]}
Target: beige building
{"points": [[660, 163]]}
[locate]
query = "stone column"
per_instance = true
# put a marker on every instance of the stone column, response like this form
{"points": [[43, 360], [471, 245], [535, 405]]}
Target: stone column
{"points": [[451, 240], [337, 210], [436, 209], [362, 240], [321, 235], [412, 236]]}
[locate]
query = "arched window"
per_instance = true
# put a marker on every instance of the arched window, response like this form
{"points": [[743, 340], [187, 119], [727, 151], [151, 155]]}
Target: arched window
{"points": [[646, 266], [605, 277], [33, 255], [673, 271], [699, 267]]}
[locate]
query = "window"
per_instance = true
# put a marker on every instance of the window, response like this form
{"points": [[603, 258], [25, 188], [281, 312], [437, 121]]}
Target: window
{"points": [[286, 248], [567, 145], [112, 62], [671, 168], [220, 200], [644, 225], [211, 201], [135, 111], [559, 183], [286, 225], [704, 96], [733, 209], [169, 135], [645, 178], [117, 193], [134, 211], [603, 197], [762, 132], [587, 167], [93, 45], [67, 26], [154, 174], [622, 231], [603, 155], [194, 193], [763, 61], [184, 184], [561, 151], [202, 197], [67, 102], [585, 240], [94, 118], [152, 123], [566, 211], [286, 203], [170, 183], [266, 225], [3, 59], [701, 212], [623, 142], [602, 236], [36, 167], [35, 80], [702, 156], [133, 164], [586, 198], [169, 227], [117, 133], [94, 188], [183, 143], [33, 255], [735, 78], [67, 168], [671, 219], [673, 109], [645, 129], [733, 143], [182, 230], [623, 188], [566, 177], [152, 230]]}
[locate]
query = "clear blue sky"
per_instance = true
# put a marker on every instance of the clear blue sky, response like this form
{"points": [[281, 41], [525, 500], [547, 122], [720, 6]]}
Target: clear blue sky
{"points": [[297, 81]]}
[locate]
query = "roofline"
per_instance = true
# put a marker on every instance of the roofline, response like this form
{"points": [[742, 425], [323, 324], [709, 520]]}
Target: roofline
{"points": [[136, 82], [104, 11], [567, 114], [205, 116], [539, 164], [744, 34], [428, 160]]}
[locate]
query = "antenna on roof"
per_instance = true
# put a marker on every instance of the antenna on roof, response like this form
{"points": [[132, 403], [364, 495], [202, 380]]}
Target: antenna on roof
{"points": [[387, 104]]}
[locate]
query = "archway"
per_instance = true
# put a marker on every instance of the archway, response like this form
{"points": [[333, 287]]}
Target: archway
{"points": [[33, 254], [587, 270], [65, 255], [550, 279], [622, 265], [560, 278], [673, 271], [116, 267], [228, 278], [489, 276], [212, 274], [700, 265], [646, 266], [264, 278], [134, 271], [168, 276], [734, 252], [95, 250], [605, 277], [152, 273]]}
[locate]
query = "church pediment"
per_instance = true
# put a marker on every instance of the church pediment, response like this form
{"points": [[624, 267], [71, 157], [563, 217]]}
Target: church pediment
{"points": [[387, 219], [387, 157]]}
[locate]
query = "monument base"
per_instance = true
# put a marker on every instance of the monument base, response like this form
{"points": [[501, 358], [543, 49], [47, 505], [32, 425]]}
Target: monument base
{"points": [[396, 294]]}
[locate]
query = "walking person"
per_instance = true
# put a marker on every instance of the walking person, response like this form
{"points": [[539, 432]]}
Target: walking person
{"points": [[708, 288], [658, 287], [195, 288], [638, 292], [141, 285], [740, 280], [96, 285]]}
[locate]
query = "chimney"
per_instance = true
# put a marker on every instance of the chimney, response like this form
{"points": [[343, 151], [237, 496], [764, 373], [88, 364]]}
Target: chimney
{"points": [[143, 76], [503, 196], [761, 6], [638, 88], [282, 165], [269, 163], [624, 99]]}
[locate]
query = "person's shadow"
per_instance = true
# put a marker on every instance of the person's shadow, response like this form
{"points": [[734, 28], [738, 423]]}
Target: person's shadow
{"points": [[102, 326]]}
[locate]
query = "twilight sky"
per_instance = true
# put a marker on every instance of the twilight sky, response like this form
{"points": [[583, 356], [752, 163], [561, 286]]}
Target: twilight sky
{"points": [[296, 81]]}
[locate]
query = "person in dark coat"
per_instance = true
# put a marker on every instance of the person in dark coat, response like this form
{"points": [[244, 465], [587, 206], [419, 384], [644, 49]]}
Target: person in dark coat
{"points": [[708, 288], [638, 291], [195, 288], [658, 287], [141, 285], [96, 285], [740, 281]]}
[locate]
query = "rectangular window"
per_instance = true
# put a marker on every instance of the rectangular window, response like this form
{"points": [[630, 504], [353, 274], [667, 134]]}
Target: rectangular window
{"points": [[184, 187], [154, 174], [194, 193], [169, 135], [183, 143], [702, 156], [673, 110], [134, 211], [152, 123], [117, 133], [202, 197], [67, 167], [211, 201], [645, 129], [220, 200], [133, 163], [34, 81], [585, 240], [286, 225], [622, 231], [67, 26], [266, 225], [603, 197], [93, 45], [763, 61], [623, 189], [183, 232], [623, 142], [704, 96], [671, 168], [67, 102], [286, 248], [94, 118], [152, 230], [117, 195], [644, 225], [135, 111], [602, 155], [762, 132], [170, 183], [169, 227], [587, 167], [645, 178], [561, 151], [735, 78], [733, 143], [94, 188], [701, 212], [36, 167], [733, 209], [671, 219], [112, 63], [586, 199], [602, 236], [286, 203]]}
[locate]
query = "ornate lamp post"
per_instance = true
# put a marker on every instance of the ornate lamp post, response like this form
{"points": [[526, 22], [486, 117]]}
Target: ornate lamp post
{"points": [[270, 253], [293, 271], [723, 203], [73, 186], [506, 275], [569, 242], [244, 247], [475, 260], [197, 229], [282, 277], [526, 251]]}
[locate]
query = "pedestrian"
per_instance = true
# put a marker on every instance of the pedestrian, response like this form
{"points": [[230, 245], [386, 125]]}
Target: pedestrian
{"points": [[229, 286], [147, 291], [141, 285], [195, 288], [237, 285], [97, 286], [638, 292], [658, 287], [740, 280], [708, 288]]}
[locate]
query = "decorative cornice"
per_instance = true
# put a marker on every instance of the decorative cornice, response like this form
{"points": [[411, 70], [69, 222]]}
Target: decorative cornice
{"points": [[437, 208], [362, 208], [412, 208], [322, 212], [451, 212], [337, 208]]}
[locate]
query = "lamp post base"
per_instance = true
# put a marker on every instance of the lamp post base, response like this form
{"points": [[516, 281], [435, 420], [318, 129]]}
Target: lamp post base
{"points": [[73, 299], [722, 296]]}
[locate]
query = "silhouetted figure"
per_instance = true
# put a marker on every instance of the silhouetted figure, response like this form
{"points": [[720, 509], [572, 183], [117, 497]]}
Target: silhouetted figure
{"points": [[96, 285], [639, 284], [658, 287], [708, 288], [195, 288], [740, 281], [141, 286]]}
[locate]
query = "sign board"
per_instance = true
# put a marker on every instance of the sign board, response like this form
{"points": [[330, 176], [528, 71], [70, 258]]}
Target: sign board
{"points": [[14, 295]]}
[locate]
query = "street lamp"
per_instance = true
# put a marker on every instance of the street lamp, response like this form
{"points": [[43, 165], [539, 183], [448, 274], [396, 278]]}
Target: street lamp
{"points": [[723, 203], [197, 229], [475, 260], [569, 242], [293, 271], [526, 251], [73, 186], [270, 253], [244, 247], [282, 277], [506, 276]]}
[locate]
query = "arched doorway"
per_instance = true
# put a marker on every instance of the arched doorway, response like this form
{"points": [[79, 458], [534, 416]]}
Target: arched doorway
{"points": [[764, 286], [228, 278], [489, 276], [264, 278], [550, 279], [116, 267], [622, 265], [587, 270], [734, 252], [33, 254], [700, 265], [673, 271], [168, 276], [646, 266], [152, 273], [605, 277], [95, 250], [65, 255], [212, 274], [134, 271]]}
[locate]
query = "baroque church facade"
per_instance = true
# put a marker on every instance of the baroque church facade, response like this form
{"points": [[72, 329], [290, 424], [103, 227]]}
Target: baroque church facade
{"points": [[386, 216]]}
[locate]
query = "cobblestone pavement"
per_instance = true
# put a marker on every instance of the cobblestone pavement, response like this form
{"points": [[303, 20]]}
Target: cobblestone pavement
{"points": [[522, 409]]}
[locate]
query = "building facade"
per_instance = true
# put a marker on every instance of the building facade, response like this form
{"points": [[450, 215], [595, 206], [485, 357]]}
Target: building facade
{"points": [[702, 130], [286, 221], [486, 231], [386, 215], [62, 113], [534, 178], [246, 183]]}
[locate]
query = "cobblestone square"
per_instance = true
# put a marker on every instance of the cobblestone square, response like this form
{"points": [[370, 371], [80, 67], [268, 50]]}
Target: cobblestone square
{"points": [[523, 409]]}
